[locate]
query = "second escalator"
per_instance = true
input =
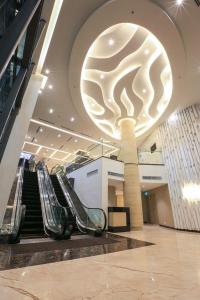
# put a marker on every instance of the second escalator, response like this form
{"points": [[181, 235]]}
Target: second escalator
{"points": [[33, 222]]}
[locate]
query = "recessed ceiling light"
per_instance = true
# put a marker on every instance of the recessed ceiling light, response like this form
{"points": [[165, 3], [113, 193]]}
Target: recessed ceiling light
{"points": [[144, 91], [59, 135], [72, 119], [35, 140], [50, 86], [111, 42], [146, 52], [102, 76], [41, 129], [51, 110], [75, 141], [39, 92], [47, 71]]}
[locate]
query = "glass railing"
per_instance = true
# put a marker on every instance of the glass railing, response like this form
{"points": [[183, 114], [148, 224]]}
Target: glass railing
{"points": [[15, 211], [87, 219], [54, 215], [8, 11], [150, 158], [95, 151]]}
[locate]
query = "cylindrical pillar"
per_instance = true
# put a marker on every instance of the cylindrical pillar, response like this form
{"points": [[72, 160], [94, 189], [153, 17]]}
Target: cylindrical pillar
{"points": [[128, 154]]}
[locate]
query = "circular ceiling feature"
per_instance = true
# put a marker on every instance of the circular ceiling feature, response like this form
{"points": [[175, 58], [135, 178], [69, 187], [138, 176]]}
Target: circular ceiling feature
{"points": [[126, 73]]}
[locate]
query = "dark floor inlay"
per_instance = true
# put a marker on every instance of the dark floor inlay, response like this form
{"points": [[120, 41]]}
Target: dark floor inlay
{"points": [[23, 255]]}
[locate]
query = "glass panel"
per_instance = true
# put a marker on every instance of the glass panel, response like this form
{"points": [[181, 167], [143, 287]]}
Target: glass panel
{"points": [[148, 158], [55, 216], [92, 219]]}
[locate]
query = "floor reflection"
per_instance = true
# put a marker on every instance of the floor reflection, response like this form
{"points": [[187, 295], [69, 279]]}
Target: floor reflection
{"points": [[10, 258]]}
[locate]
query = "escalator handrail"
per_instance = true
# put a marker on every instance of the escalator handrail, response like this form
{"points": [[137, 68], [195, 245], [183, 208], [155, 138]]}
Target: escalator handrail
{"points": [[46, 190], [66, 193], [17, 204]]}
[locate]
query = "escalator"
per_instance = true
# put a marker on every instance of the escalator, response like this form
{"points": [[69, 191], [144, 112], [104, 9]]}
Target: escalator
{"points": [[88, 220], [33, 222], [33, 209], [61, 199], [56, 219], [15, 211]]}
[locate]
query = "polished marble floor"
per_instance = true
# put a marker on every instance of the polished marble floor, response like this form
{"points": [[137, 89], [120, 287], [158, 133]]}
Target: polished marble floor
{"points": [[42, 251], [169, 269]]}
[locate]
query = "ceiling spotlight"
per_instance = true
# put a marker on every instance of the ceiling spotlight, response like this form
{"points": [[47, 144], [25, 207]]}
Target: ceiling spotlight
{"points": [[50, 86], [51, 110], [59, 135], [102, 76], [47, 71], [144, 91], [75, 141], [35, 140], [41, 129], [146, 52], [72, 119], [111, 42], [39, 92]]}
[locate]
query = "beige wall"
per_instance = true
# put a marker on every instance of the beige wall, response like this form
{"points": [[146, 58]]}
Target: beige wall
{"points": [[157, 208]]}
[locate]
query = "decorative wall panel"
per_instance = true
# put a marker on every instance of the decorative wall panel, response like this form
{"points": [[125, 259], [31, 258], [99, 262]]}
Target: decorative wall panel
{"points": [[180, 137]]}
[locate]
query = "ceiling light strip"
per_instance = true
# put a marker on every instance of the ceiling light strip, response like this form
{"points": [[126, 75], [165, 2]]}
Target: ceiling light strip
{"points": [[73, 133], [39, 145], [50, 30]]}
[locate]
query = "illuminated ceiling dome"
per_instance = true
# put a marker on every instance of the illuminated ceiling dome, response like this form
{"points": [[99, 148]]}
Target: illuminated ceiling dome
{"points": [[126, 73]]}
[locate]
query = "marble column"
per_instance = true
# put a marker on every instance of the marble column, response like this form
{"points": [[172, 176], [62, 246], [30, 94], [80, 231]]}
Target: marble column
{"points": [[128, 154]]}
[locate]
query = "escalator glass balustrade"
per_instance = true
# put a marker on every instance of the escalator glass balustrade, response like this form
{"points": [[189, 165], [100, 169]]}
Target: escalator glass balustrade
{"points": [[89, 220], [55, 217]]}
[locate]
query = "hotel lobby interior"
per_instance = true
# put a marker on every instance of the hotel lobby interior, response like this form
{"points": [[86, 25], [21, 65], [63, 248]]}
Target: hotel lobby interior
{"points": [[99, 149]]}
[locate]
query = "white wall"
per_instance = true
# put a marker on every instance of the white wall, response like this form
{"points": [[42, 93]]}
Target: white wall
{"points": [[93, 189], [12, 152], [89, 188], [153, 170]]}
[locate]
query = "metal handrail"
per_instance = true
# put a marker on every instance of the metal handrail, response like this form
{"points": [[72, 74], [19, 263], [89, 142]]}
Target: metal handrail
{"points": [[49, 214], [17, 208], [73, 208]]}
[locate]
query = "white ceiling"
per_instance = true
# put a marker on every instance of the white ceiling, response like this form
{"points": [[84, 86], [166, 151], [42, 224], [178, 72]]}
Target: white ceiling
{"points": [[72, 17]]}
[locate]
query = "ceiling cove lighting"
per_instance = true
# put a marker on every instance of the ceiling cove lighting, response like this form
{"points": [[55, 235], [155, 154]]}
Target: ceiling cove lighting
{"points": [[49, 33], [48, 158], [43, 146], [135, 63], [72, 133]]}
